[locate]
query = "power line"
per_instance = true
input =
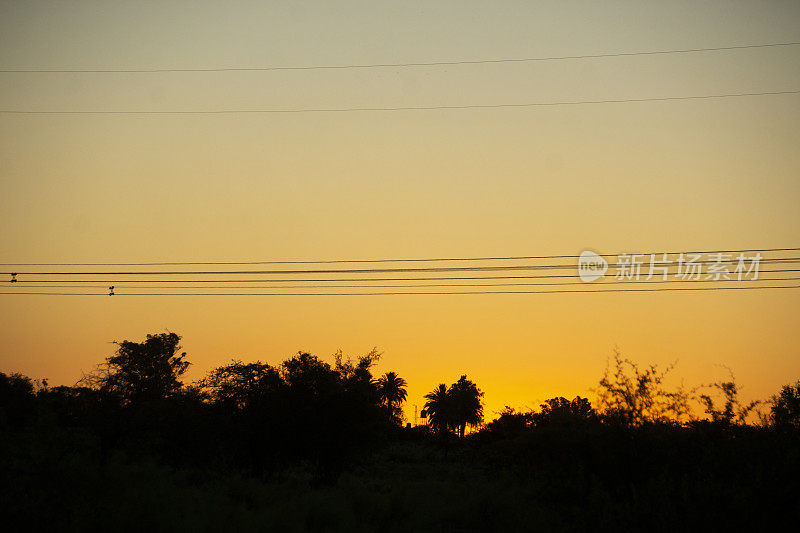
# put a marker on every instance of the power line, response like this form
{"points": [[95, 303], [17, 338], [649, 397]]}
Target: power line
{"points": [[363, 270], [664, 289], [405, 260], [402, 108], [320, 280], [615, 282], [394, 65]]}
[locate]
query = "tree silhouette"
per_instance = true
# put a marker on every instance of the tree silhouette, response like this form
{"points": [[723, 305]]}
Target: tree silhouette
{"points": [[392, 393], [140, 371], [285, 443], [456, 407], [467, 405], [356, 370], [239, 385], [438, 406], [785, 408], [16, 399], [562, 411], [633, 397], [510, 423]]}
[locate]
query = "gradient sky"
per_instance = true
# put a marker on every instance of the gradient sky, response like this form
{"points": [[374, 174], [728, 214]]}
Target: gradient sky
{"points": [[651, 176]]}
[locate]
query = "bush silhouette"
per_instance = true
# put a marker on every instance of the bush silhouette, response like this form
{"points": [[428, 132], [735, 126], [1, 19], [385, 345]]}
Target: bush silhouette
{"points": [[732, 410]]}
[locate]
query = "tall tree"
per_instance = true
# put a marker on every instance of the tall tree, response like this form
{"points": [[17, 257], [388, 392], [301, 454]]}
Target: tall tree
{"points": [[467, 404], [392, 393], [438, 406], [148, 370]]}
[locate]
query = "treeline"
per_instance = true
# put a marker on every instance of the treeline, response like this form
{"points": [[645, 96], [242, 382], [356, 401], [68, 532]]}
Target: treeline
{"points": [[246, 415], [695, 454], [630, 396], [304, 404]]}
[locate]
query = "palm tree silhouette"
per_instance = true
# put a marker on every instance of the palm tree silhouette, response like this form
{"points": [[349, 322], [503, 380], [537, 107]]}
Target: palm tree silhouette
{"points": [[392, 393], [467, 405], [438, 407], [456, 407]]}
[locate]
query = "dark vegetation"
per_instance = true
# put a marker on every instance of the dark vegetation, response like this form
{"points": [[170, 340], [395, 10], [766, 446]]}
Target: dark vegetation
{"points": [[315, 446]]}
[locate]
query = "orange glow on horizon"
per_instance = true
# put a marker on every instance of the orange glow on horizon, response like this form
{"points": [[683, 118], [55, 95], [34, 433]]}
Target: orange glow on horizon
{"points": [[649, 176]]}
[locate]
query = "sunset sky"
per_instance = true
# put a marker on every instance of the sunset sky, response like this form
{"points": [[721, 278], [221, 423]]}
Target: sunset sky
{"points": [[637, 176]]}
